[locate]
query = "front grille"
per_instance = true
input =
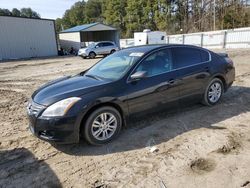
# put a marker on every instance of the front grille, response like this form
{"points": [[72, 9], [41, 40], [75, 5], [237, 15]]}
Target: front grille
{"points": [[34, 108]]}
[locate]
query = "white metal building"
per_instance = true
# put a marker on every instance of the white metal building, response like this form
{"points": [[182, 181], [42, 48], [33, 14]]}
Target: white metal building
{"points": [[82, 35], [26, 38]]}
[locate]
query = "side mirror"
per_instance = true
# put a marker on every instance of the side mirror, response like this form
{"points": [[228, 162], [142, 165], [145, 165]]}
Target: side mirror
{"points": [[97, 46], [138, 75]]}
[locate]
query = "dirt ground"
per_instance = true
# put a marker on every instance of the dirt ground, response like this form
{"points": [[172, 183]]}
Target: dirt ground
{"points": [[197, 146]]}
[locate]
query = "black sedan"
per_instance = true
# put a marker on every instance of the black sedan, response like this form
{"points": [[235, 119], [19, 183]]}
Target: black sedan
{"points": [[98, 102]]}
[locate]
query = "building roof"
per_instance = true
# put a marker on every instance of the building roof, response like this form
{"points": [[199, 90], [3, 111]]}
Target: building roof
{"points": [[88, 27], [27, 18]]}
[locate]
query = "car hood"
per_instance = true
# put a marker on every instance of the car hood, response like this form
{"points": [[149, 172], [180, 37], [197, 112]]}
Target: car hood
{"points": [[71, 86], [83, 49]]}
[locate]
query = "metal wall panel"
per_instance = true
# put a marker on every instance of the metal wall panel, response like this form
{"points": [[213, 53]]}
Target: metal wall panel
{"points": [[193, 39], [175, 39], [238, 38], [25, 38], [234, 38], [213, 39], [68, 40]]}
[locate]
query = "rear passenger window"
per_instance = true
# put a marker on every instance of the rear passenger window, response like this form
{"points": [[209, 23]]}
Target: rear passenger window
{"points": [[108, 44], [184, 56]]}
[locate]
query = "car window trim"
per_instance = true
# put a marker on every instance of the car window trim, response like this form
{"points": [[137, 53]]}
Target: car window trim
{"points": [[155, 51], [209, 56]]}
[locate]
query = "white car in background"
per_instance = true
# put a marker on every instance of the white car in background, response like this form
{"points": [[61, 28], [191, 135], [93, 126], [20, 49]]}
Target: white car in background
{"points": [[98, 48]]}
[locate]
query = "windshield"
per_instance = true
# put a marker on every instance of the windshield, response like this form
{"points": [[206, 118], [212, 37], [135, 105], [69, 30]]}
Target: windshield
{"points": [[114, 66], [92, 45]]}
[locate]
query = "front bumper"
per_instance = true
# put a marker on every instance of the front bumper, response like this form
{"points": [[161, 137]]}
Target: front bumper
{"points": [[59, 130], [82, 54]]}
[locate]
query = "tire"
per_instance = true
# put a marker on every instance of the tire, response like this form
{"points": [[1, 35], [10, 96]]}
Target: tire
{"points": [[112, 51], [213, 92], [94, 132], [92, 55]]}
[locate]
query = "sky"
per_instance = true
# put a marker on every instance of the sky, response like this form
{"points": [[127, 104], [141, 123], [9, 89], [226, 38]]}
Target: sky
{"points": [[51, 9]]}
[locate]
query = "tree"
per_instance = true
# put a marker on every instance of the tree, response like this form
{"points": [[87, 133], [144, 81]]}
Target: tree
{"points": [[24, 12], [29, 13], [172, 16], [134, 16], [75, 15], [59, 25], [5, 12], [162, 15], [114, 14], [93, 11], [16, 12]]}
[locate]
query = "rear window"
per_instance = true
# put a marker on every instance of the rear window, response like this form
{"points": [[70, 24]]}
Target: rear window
{"points": [[184, 56]]}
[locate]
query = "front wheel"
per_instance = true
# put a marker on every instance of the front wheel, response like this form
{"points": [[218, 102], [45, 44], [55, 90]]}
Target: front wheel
{"points": [[213, 92], [103, 125], [92, 55], [112, 51]]}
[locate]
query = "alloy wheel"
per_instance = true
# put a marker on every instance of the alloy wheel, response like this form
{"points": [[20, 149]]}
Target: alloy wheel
{"points": [[214, 92], [104, 126]]}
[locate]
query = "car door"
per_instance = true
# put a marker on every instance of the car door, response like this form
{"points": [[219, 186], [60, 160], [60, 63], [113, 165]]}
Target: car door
{"points": [[99, 48], [193, 70], [108, 47], [157, 90]]}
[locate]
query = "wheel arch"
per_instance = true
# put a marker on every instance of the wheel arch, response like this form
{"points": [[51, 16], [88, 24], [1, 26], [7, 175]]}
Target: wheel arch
{"points": [[221, 77], [92, 52], [93, 108]]}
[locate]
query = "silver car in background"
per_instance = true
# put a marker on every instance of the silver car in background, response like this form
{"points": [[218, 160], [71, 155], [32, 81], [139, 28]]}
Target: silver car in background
{"points": [[98, 48]]}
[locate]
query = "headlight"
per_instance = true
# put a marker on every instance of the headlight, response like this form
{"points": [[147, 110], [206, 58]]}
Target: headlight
{"points": [[60, 108]]}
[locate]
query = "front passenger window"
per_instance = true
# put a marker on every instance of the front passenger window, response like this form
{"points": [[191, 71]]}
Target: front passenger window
{"points": [[157, 63], [99, 45]]}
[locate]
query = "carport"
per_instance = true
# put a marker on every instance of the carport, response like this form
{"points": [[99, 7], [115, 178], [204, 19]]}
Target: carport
{"points": [[82, 35]]}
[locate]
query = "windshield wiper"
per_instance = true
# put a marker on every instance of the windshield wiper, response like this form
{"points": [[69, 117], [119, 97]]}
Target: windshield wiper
{"points": [[93, 76]]}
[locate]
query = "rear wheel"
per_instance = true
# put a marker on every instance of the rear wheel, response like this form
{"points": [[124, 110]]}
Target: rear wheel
{"points": [[213, 92], [103, 125], [92, 55]]}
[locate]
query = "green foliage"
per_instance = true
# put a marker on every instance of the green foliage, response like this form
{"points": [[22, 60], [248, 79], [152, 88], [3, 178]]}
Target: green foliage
{"points": [[59, 24], [93, 11], [16, 12], [24, 12], [29, 13], [114, 14], [5, 12]]}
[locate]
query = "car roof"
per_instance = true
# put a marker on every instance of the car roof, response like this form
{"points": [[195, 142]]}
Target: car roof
{"points": [[150, 47], [104, 41]]}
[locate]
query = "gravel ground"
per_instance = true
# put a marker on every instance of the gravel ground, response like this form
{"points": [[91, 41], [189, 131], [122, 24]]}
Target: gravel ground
{"points": [[197, 146]]}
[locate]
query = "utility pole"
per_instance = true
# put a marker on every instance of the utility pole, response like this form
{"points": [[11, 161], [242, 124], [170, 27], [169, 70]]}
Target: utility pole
{"points": [[214, 15]]}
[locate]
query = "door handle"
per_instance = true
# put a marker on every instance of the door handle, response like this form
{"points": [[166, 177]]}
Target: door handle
{"points": [[168, 83], [165, 85]]}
